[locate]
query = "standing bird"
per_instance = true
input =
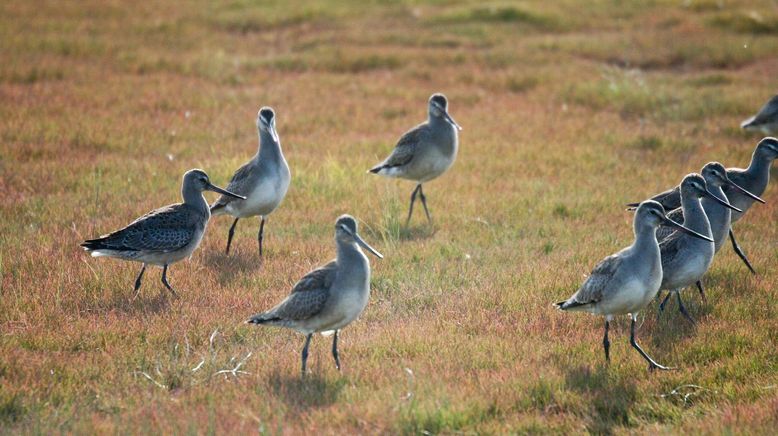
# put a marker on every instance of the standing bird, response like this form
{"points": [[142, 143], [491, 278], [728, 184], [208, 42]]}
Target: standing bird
{"points": [[753, 179], [624, 283], [766, 120], [424, 152], [718, 214], [263, 180], [330, 297], [686, 259], [165, 235]]}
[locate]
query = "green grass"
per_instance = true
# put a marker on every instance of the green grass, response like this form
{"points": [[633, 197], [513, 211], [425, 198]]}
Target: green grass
{"points": [[569, 112]]}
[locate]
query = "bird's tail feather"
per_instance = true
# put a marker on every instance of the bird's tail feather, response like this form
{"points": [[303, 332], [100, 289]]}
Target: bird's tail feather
{"points": [[569, 305], [263, 318], [747, 123]]}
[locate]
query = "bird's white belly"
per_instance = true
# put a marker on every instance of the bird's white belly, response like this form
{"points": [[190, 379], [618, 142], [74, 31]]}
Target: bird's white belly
{"points": [[632, 297], [262, 200], [436, 166], [343, 311], [688, 272], [161, 259]]}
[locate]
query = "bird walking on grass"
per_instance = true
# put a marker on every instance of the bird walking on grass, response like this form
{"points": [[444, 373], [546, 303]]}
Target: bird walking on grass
{"points": [[330, 297], [424, 152], [753, 179], [165, 235], [625, 282], [766, 120], [263, 180], [718, 214], [686, 259]]}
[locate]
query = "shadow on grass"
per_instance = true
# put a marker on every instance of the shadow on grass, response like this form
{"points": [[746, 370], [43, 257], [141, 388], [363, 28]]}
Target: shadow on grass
{"points": [[150, 300], [411, 233], [229, 265], [301, 394], [610, 396], [670, 325]]}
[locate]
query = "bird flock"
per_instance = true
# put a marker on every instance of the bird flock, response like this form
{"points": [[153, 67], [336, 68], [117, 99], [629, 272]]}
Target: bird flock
{"points": [[677, 232]]}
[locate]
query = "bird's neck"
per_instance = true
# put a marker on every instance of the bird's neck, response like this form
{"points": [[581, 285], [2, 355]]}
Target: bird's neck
{"points": [[694, 215], [269, 148], [719, 216], [759, 168], [645, 237], [194, 197]]}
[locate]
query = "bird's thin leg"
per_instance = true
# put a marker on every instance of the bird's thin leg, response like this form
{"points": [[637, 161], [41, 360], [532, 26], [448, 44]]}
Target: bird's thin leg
{"points": [[651, 363], [682, 309], [413, 199], [424, 203], [662, 304], [305, 351], [138, 280], [702, 291], [231, 234], [605, 342], [164, 281], [739, 251], [261, 234], [335, 350]]}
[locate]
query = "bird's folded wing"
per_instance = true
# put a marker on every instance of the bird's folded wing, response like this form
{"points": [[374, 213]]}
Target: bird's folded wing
{"points": [[670, 199], [308, 296], [165, 229], [594, 286], [241, 183], [406, 147]]}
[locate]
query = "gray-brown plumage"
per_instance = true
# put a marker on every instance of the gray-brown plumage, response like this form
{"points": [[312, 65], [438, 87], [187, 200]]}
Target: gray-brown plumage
{"points": [[766, 120], [330, 297], [162, 236], [263, 181], [424, 152]]}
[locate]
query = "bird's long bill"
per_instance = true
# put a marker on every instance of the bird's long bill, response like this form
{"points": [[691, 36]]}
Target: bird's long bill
{"points": [[272, 129], [722, 202], [451, 120], [744, 192], [215, 188], [367, 246], [687, 230]]}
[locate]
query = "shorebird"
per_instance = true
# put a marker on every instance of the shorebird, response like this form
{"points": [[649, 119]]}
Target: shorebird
{"points": [[766, 120], [330, 297], [165, 235], [424, 152], [718, 214], [685, 259], [263, 180], [753, 179], [625, 282]]}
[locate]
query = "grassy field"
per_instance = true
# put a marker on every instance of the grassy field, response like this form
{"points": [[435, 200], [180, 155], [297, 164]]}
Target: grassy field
{"points": [[568, 113]]}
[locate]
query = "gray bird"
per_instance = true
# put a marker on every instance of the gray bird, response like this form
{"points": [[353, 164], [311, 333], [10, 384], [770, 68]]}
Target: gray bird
{"points": [[753, 179], [263, 180], [719, 216], [424, 152], [330, 297], [624, 283], [165, 235], [766, 120], [685, 259]]}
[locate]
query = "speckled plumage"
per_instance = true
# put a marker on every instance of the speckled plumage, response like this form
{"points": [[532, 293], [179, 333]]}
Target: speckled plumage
{"points": [[329, 297]]}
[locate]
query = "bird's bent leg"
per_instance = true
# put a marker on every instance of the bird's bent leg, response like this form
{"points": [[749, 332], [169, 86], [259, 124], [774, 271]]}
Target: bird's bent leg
{"points": [[138, 281], [651, 363], [667, 297], [682, 309], [413, 199], [424, 203], [702, 291], [231, 234], [739, 252], [164, 281]]}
